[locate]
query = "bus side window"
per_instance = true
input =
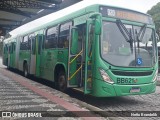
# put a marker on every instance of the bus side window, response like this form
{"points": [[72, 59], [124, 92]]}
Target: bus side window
{"points": [[9, 48], [29, 44], [14, 47], [51, 38], [24, 43], [40, 38], [21, 41], [30, 40], [43, 41], [5, 49], [63, 40], [33, 45]]}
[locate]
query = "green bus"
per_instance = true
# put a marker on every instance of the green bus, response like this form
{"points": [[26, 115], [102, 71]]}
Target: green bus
{"points": [[100, 50]]}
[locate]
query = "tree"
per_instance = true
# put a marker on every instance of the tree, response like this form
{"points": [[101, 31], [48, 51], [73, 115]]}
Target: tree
{"points": [[155, 13]]}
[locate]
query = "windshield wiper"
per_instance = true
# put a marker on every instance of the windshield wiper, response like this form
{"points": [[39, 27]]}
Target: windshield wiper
{"points": [[124, 30], [141, 33], [127, 34]]}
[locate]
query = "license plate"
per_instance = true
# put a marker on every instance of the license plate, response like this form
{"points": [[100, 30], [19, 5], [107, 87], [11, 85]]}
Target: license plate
{"points": [[135, 89]]}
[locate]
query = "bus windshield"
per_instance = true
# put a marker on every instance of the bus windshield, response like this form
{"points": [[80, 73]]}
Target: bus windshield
{"points": [[128, 45]]}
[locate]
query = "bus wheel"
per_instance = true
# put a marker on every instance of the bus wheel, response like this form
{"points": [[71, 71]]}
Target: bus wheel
{"points": [[62, 84], [25, 70]]}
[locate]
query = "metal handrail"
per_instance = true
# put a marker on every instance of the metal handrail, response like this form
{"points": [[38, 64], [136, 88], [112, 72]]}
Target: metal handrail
{"points": [[75, 73], [76, 56]]}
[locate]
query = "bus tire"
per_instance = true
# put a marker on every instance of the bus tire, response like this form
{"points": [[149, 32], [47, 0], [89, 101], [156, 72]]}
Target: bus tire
{"points": [[62, 83], [25, 70]]}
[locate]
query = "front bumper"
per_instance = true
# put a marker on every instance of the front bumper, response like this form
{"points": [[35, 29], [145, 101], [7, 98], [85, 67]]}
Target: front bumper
{"points": [[103, 89]]}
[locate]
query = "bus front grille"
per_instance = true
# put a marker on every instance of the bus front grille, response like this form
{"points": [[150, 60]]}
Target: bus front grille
{"points": [[124, 73]]}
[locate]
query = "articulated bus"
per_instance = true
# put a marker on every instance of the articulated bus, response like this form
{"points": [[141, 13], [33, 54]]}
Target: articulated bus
{"points": [[100, 50]]}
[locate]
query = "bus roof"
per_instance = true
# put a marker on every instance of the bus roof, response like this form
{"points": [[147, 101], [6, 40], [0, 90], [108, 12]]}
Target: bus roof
{"points": [[59, 16]]}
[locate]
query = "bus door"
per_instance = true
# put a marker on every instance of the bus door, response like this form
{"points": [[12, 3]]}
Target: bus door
{"points": [[93, 29], [33, 55], [39, 42], [88, 56], [9, 55], [12, 54], [5, 54], [75, 62]]}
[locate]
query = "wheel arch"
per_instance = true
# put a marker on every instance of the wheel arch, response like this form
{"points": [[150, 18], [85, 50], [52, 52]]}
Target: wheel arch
{"points": [[59, 67]]}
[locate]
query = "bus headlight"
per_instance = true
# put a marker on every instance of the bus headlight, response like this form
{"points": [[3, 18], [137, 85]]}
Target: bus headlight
{"points": [[105, 76], [156, 76]]}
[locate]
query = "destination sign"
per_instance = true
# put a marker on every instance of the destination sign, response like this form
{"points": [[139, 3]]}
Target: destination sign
{"points": [[125, 14]]}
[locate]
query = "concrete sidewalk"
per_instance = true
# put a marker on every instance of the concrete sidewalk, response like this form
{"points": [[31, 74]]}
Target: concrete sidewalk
{"points": [[19, 94]]}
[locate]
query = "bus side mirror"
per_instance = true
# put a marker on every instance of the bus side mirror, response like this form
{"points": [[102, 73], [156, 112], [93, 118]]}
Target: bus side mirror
{"points": [[74, 40], [97, 17]]}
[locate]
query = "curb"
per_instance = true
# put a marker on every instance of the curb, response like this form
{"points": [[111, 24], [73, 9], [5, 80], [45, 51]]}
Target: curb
{"points": [[92, 108]]}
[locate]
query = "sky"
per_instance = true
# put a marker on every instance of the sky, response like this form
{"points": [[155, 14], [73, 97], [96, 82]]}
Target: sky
{"points": [[138, 5]]}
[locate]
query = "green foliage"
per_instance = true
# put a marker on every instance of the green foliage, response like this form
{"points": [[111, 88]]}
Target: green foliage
{"points": [[155, 13]]}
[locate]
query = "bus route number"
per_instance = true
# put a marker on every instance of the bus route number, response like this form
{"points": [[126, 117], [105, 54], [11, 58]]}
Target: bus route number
{"points": [[111, 12]]}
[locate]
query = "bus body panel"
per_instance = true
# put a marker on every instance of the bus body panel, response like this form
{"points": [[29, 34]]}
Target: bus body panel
{"points": [[12, 54], [44, 61], [49, 61], [17, 52], [33, 64]]}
